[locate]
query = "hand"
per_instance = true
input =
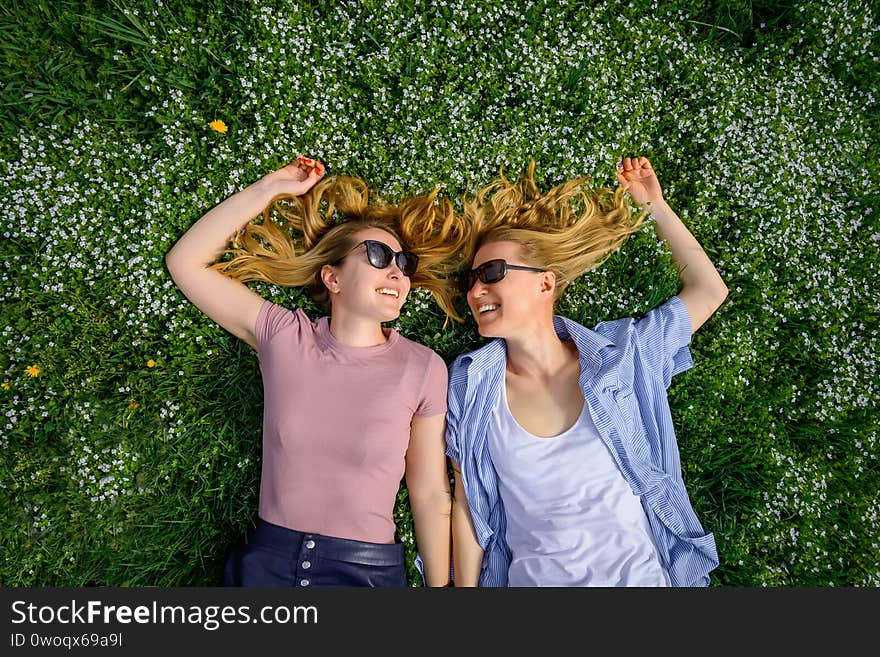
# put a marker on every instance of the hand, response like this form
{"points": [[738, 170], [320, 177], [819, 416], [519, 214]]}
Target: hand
{"points": [[639, 178], [296, 178]]}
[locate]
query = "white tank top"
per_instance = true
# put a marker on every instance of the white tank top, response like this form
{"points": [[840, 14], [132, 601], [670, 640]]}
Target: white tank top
{"points": [[572, 519]]}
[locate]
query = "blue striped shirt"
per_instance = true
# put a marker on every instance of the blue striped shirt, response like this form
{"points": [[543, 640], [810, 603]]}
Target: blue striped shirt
{"points": [[626, 368]]}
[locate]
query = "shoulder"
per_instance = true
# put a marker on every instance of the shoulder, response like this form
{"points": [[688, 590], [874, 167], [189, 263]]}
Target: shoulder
{"points": [[424, 355], [471, 369], [617, 331], [479, 357], [657, 342], [272, 311], [426, 370], [417, 356], [671, 314], [273, 319]]}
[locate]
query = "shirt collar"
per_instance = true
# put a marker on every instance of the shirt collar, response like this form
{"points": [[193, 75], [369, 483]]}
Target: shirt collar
{"points": [[589, 343]]}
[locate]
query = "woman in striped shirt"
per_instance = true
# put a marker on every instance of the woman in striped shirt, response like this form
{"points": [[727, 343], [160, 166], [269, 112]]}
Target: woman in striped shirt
{"points": [[566, 464]]}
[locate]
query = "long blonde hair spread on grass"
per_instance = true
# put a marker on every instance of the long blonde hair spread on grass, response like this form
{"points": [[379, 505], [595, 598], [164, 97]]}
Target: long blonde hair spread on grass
{"points": [[318, 229], [568, 230]]}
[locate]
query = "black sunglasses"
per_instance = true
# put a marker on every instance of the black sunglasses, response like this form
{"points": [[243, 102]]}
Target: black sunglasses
{"points": [[380, 256], [490, 271]]}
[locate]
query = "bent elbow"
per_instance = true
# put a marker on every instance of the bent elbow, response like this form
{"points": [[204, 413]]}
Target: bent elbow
{"points": [[171, 261], [720, 290]]}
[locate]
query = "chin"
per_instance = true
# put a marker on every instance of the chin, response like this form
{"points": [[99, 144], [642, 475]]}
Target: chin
{"points": [[488, 331], [390, 316]]}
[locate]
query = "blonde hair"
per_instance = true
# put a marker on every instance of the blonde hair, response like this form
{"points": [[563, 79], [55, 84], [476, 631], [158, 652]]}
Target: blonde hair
{"points": [[318, 229], [569, 230]]}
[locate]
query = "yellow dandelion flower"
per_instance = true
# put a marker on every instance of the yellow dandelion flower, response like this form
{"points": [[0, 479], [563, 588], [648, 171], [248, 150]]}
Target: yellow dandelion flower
{"points": [[218, 126], [33, 370], [133, 405], [5, 385], [151, 363]]}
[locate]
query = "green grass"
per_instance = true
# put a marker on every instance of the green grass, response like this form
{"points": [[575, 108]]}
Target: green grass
{"points": [[757, 116]]}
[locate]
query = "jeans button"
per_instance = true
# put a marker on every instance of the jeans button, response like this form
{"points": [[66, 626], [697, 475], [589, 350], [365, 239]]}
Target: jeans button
{"points": [[303, 582], [310, 544], [307, 564]]}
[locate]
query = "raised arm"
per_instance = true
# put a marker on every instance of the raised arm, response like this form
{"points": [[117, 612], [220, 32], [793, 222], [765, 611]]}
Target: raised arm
{"points": [[429, 495], [703, 289], [467, 555], [228, 302]]}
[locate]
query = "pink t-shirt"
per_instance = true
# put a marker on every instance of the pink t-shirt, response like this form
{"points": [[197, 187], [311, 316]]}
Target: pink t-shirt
{"points": [[336, 423]]}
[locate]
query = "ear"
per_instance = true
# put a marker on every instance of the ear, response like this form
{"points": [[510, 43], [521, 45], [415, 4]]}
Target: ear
{"points": [[548, 282], [330, 276]]}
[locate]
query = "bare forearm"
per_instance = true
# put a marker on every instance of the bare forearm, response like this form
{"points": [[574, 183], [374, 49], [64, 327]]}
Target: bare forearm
{"points": [[431, 518], [467, 555], [204, 242], [686, 250]]}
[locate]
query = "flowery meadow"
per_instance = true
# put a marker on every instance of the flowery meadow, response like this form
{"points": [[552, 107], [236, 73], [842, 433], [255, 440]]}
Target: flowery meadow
{"points": [[131, 424]]}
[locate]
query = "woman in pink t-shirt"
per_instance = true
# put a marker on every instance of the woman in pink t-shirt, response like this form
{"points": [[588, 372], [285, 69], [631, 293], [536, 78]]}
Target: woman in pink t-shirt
{"points": [[350, 407]]}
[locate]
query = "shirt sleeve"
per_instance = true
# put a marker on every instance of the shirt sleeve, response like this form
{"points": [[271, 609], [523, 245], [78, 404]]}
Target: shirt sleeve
{"points": [[662, 337], [433, 398], [271, 319]]}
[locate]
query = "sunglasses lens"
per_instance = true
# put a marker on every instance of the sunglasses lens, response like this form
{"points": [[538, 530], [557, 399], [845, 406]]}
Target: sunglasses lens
{"points": [[378, 254], [408, 262], [492, 271]]}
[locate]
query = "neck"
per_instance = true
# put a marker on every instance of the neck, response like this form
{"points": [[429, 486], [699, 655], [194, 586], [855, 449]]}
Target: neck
{"points": [[355, 331], [540, 353]]}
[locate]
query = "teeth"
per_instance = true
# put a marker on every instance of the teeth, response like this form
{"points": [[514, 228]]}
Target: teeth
{"points": [[487, 308], [390, 292]]}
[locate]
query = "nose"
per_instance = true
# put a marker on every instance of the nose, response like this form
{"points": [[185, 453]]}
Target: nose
{"points": [[394, 272], [479, 289]]}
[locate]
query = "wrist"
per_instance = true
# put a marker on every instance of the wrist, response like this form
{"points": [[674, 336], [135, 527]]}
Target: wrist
{"points": [[657, 206], [267, 185]]}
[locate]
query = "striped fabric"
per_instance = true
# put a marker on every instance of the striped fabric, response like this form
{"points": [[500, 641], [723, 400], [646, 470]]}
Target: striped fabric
{"points": [[626, 367]]}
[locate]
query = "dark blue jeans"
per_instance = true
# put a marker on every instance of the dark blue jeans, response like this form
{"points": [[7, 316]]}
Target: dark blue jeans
{"points": [[277, 556]]}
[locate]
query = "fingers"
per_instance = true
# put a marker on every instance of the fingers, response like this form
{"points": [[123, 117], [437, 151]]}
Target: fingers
{"points": [[310, 166], [625, 164], [632, 164]]}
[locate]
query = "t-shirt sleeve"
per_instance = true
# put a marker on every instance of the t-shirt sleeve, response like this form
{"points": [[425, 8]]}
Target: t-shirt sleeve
{"points": [[271, 319], [662, 337], [458, 372], [453, 412], [433, 397]]}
